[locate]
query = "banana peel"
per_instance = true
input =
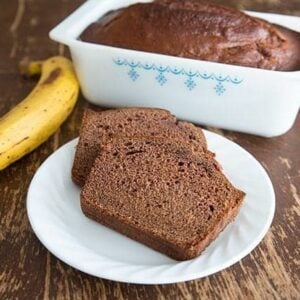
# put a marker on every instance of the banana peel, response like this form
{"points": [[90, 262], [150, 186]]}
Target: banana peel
{"points": [[41, 113]]}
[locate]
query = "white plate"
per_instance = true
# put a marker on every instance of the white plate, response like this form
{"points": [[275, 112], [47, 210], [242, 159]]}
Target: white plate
{"points": [[53, 208]]}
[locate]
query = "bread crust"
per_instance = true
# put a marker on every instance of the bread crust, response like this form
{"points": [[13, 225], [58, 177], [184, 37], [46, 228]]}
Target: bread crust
{"points": [[199, 30]]}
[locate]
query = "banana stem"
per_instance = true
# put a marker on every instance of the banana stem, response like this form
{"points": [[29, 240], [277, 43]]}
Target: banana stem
{"points": [[30, 68]]}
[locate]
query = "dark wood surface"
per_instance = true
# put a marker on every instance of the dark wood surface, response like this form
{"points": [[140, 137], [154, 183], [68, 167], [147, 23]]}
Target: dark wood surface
{"points": [[29, 271]]}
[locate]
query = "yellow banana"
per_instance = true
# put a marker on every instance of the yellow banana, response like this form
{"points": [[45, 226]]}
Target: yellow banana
{"points": [[41, 113]]}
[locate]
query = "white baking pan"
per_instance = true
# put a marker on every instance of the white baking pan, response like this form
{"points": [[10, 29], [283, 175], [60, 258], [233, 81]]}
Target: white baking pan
{"points": [[238, 98]]}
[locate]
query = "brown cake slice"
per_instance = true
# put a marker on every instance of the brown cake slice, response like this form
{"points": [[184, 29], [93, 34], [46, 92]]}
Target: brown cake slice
{"points": [[161, 194], [128, 122]]}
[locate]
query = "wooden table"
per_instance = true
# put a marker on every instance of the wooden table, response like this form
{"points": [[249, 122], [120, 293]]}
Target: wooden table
{"points": [[29, 271]]}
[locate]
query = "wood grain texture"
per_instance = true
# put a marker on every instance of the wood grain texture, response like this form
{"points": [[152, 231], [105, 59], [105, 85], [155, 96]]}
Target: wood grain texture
{"points": [[29, 271]]}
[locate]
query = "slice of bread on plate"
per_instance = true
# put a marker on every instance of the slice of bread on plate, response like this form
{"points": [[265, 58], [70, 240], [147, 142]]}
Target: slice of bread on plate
{"points": [[161, 193], [128, 122]]}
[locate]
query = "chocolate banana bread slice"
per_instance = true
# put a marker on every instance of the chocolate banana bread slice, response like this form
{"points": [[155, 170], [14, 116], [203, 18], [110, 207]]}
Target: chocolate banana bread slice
{"points": [[128, 122], [161, 194]]}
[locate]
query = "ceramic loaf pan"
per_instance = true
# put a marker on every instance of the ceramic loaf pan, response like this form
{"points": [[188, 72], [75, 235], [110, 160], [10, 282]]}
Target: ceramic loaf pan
{"points": [[256, 101]]}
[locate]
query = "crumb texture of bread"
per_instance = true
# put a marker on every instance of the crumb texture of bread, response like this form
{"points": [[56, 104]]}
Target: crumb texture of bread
{"points": [[97, 127], [160, 193]]}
